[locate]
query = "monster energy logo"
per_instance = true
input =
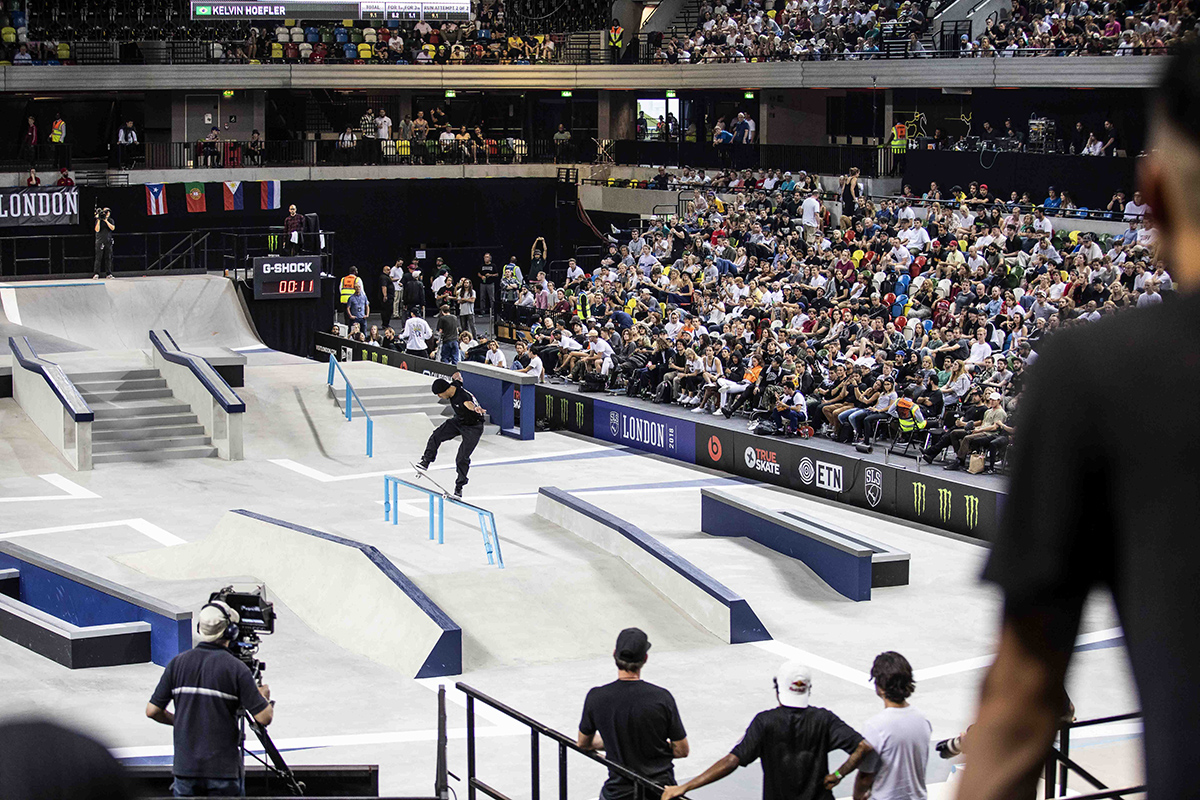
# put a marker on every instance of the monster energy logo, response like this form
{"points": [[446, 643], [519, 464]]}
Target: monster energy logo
{"points": [[945, 504], [566, 404], [972, 504], [918, 498], [579, 415]]}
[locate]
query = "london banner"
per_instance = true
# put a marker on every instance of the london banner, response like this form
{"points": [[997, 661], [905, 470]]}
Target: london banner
{"points": [[50, 205]]}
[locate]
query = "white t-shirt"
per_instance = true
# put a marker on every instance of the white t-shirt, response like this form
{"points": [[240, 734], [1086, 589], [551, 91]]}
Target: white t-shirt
{"points": [[416, 331], [979, 351], [1133, 210], [536, 368], [383, 127], [495, 358], [811, 209], [900, 738], [397, 275]]}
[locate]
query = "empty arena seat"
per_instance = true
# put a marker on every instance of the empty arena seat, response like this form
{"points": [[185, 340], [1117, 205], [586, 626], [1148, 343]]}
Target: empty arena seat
{"points": [[276, 50], [340, 35], [9, 35], [365, 50], [326, 35], [369, 36], [305, 50], [64, 51], [297, 34], [312, 35], [283, 34], [216, 50], [291, 51], [350, 51], [356, 36]]}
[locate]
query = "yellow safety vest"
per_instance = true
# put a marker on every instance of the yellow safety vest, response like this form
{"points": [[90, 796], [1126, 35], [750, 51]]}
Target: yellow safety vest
{"points": [[58, 131], [348, 287], [899, 138], [614, 36]]}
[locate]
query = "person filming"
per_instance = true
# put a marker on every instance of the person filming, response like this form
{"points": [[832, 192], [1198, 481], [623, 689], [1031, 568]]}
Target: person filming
{"points": [[104, 243], [209, 686]]}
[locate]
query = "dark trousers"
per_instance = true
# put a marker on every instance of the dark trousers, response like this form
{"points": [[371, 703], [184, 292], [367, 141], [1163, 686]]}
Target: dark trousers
{"points": [[207, 787], [447, 431], [104, 259], [487, 299], [62, 156], [950, 439]]}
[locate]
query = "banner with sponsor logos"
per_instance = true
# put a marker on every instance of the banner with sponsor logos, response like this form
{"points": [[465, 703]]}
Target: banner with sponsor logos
{"points": [[326, 344], [935, 501]]}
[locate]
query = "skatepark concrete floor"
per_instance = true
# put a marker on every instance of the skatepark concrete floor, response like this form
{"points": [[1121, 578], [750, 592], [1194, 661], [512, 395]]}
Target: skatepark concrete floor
{"points": [[537, 634]]}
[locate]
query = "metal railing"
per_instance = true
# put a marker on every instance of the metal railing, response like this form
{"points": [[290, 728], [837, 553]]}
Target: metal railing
{"points": [[832, 159], [352, 398], [643, 788], [1059, 765], [437, 514]]}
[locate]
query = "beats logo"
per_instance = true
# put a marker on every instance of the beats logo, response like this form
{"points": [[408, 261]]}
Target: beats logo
{"points": [[714, 448]]}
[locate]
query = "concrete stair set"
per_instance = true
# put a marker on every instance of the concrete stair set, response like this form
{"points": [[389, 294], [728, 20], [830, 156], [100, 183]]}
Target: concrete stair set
{"points": [[139, 419], [382, 401]]}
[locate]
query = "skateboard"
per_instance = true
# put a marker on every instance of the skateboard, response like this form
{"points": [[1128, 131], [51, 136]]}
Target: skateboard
{"points": [[423, 474]]}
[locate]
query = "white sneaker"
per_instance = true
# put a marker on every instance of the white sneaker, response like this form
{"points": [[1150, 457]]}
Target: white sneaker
{"points": [[697, 410], [717, 413]]}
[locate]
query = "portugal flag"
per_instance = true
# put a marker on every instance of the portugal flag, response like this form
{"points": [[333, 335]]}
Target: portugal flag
{"points": [[195, 196]]}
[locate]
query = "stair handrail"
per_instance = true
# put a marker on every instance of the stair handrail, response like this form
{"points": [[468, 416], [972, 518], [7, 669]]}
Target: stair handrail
{"points": [[208, 376], [351, 398], [53, 374]]}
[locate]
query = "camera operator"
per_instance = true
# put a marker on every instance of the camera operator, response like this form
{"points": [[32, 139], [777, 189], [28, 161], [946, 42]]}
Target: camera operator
{"points": [[209, 685], [104, 243]]}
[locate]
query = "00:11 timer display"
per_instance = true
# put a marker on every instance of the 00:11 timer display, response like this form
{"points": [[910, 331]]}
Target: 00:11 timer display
{"points": [[296, 288]]}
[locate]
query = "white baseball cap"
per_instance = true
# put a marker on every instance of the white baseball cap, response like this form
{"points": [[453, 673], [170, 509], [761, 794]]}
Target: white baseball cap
{"points": [[793, 682], [211, 623]]}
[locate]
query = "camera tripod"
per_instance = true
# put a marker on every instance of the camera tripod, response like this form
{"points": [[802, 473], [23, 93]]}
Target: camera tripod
{"points": [[277, 766]]}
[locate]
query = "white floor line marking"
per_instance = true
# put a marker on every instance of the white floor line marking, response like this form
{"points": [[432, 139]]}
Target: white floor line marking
{"points": [[342, 740], [815, 661], [140, 525], [73, 491], [324, 477], [482, 710], [8, 299], [983, 662], [69, 486]]}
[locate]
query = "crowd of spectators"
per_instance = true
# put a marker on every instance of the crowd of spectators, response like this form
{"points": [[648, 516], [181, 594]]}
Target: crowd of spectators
{"points": [[739, 31], [769, 306]]}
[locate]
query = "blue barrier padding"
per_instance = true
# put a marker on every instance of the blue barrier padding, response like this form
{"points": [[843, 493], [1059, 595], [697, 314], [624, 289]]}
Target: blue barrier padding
{"points": [[59, 383], [210, 378], [744, 624], [848, 573], [446, 656], [88, 600]]}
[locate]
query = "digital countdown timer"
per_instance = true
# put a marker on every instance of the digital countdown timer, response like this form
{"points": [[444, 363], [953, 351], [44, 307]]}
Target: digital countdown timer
{"points": [[292, 278]]}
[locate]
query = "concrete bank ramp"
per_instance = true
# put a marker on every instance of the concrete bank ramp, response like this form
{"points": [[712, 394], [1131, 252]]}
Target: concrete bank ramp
{"points": [[348, 592], [198, 310]]}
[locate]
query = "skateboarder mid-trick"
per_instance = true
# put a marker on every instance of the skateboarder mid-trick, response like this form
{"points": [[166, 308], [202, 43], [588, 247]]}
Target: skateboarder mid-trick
{"points": [[466, 422]]}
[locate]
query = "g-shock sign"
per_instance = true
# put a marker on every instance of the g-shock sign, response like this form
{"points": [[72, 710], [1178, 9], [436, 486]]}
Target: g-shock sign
{"points": [[287, 277]]}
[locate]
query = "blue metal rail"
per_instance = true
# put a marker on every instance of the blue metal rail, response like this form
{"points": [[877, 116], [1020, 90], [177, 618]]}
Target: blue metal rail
{"points": [[351, 398], [437, 515]]}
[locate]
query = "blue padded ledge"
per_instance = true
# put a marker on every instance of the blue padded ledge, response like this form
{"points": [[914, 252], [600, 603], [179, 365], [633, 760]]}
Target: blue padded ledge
{"points": [[844, 565], [86, 600], [744, 624], [446, 656], [204, 372], [59, 383]]}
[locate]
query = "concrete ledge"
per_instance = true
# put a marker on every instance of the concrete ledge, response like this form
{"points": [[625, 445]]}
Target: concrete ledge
{"points": [[395, 623], [713, 605], [889, 566], [85, 600], [73, 646], [843, 563]]}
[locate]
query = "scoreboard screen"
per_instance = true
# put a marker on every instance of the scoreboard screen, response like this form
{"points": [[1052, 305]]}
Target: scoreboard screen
{"points": [[372, 10]]}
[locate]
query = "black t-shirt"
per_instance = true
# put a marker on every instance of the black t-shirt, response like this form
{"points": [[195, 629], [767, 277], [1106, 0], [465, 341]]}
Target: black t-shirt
{"points": [[458, 401], [488, 274], [208, 684], [105, 234], [637, 721], [447, 325], [794, 745], [1080, 512]]}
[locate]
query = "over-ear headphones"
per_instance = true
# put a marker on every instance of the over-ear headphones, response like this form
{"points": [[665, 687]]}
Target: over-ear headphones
{"points": [[231, 627]]}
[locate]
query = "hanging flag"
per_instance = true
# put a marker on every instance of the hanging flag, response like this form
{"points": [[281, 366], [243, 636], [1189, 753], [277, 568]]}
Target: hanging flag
{"points": [[156, 199], [270, 194], [195, 196], [233, 195]]}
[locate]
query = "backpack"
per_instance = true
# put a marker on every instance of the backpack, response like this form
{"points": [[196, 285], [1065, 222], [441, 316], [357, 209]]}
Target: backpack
{"points": [[663, 393]]}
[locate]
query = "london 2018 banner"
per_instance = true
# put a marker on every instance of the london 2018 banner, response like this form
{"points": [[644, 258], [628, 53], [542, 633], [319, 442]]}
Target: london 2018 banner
{"points": [[52, 205]]}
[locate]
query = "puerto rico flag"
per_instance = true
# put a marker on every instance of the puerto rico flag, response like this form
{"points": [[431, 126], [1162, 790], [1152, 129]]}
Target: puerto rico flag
{"points": [[156, 199], [270, 194], [195, 196], [233, 195]]}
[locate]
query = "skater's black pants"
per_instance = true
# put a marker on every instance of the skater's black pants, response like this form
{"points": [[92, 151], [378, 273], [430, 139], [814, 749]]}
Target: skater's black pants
{"points": [[447, 431]]}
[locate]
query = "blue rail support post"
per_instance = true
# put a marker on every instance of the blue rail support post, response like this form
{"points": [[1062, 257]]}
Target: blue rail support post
{"points": [[351, 398], [437, 515]]}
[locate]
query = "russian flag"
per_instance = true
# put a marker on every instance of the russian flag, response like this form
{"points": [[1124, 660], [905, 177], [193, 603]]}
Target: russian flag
{"points": [[270, 194], [156, 199], [233, 195]]}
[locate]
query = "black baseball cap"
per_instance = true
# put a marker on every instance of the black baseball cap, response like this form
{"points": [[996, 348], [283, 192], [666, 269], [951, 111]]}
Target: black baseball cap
{"points": [[632, 645]]}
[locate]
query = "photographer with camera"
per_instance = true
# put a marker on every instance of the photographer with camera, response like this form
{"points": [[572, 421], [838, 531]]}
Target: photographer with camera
{"points": [[210, 686], [104, 243]]}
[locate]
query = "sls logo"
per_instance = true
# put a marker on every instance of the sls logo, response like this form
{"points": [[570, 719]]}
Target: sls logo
{"points": [[714, 448], [762, 460], [614, 422], [874, 485]]}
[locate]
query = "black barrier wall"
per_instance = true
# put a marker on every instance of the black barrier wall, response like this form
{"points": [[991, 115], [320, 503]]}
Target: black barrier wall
{"points": [[326, 344], [892, 489]]}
